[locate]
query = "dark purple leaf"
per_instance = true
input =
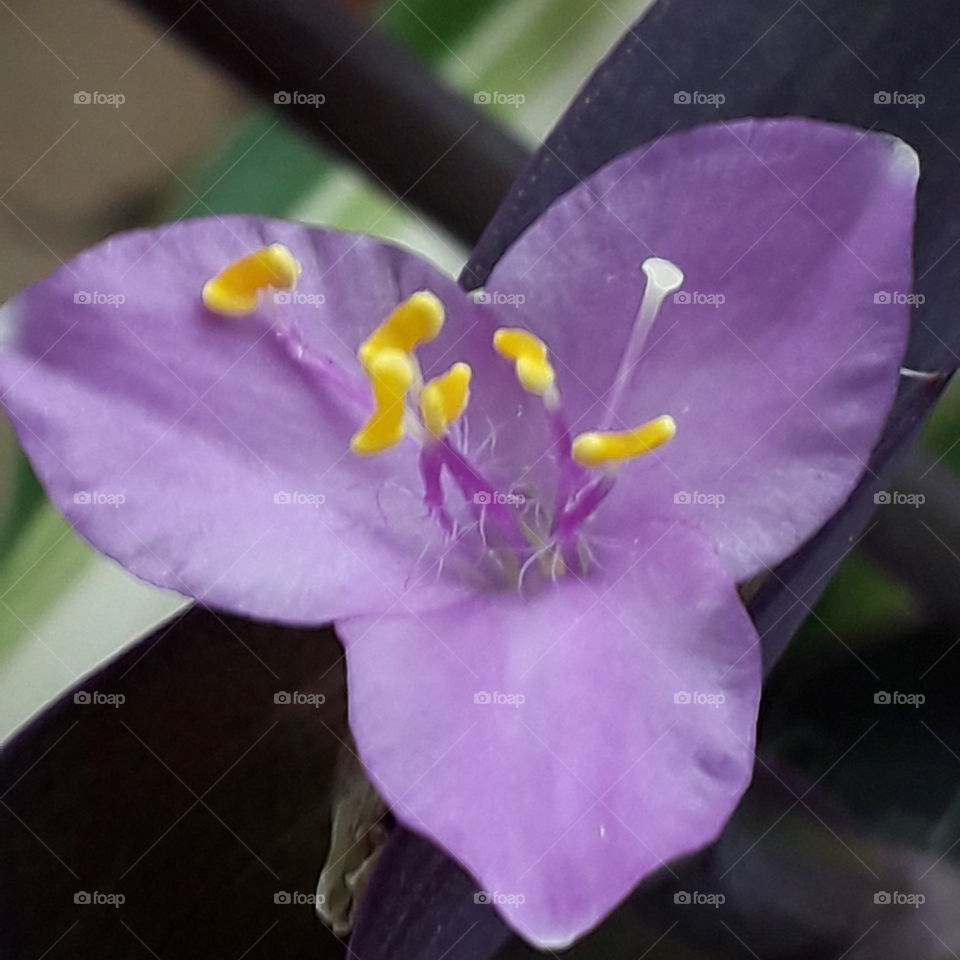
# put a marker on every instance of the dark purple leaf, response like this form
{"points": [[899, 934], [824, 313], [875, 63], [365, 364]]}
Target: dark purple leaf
{"points": [[420, 873], [198, 799], [919, 547]]}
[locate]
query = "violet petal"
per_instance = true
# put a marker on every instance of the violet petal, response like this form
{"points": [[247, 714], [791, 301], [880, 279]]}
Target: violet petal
{"points": [[594, 731]]}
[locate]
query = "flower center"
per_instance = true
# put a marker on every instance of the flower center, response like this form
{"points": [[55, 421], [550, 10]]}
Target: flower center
{"points": [[586, 464], [522, 533]]}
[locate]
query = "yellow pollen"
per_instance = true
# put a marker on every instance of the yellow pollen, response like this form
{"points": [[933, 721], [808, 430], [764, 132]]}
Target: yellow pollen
{"points": [[418, 319], [391, 375], [597, 448], [529, 355], [444, 398], [235, 290]]}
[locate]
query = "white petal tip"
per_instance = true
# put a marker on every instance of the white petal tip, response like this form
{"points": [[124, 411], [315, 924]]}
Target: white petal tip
{"points": [[904, 161]]}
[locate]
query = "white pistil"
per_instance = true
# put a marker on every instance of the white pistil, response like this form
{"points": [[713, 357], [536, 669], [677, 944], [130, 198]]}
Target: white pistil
{"points": [[663, 277]]}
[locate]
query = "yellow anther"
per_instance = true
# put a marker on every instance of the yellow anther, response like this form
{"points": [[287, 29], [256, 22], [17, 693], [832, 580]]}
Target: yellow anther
{"points": [[596, 448], [235, 290], [444, 398], [418, 319], [391, 375], [529, 355]]}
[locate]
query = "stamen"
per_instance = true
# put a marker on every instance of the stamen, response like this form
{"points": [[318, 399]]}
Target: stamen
{"points": [[530, 358], [235, 290], [663, 277], [476, 491], [418, 319], [431, 466], [391, 375], [597, 448], [568, 521], [443, 399]]}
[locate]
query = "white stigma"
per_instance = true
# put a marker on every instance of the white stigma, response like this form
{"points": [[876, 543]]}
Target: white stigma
{"points": [[663, 277]]}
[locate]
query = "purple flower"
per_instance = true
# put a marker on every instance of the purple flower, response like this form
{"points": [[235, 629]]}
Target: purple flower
{"points": [[550, 671]]}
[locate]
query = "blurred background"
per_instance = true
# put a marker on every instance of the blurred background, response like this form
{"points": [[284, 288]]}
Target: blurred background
{"points": [[172, 136]]}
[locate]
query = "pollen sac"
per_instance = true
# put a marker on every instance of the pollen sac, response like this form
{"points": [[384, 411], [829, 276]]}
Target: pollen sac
{"points": [[443, 399], [391, 375], [597, 448], [530, 358], [235, 291], [415, 321]]}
